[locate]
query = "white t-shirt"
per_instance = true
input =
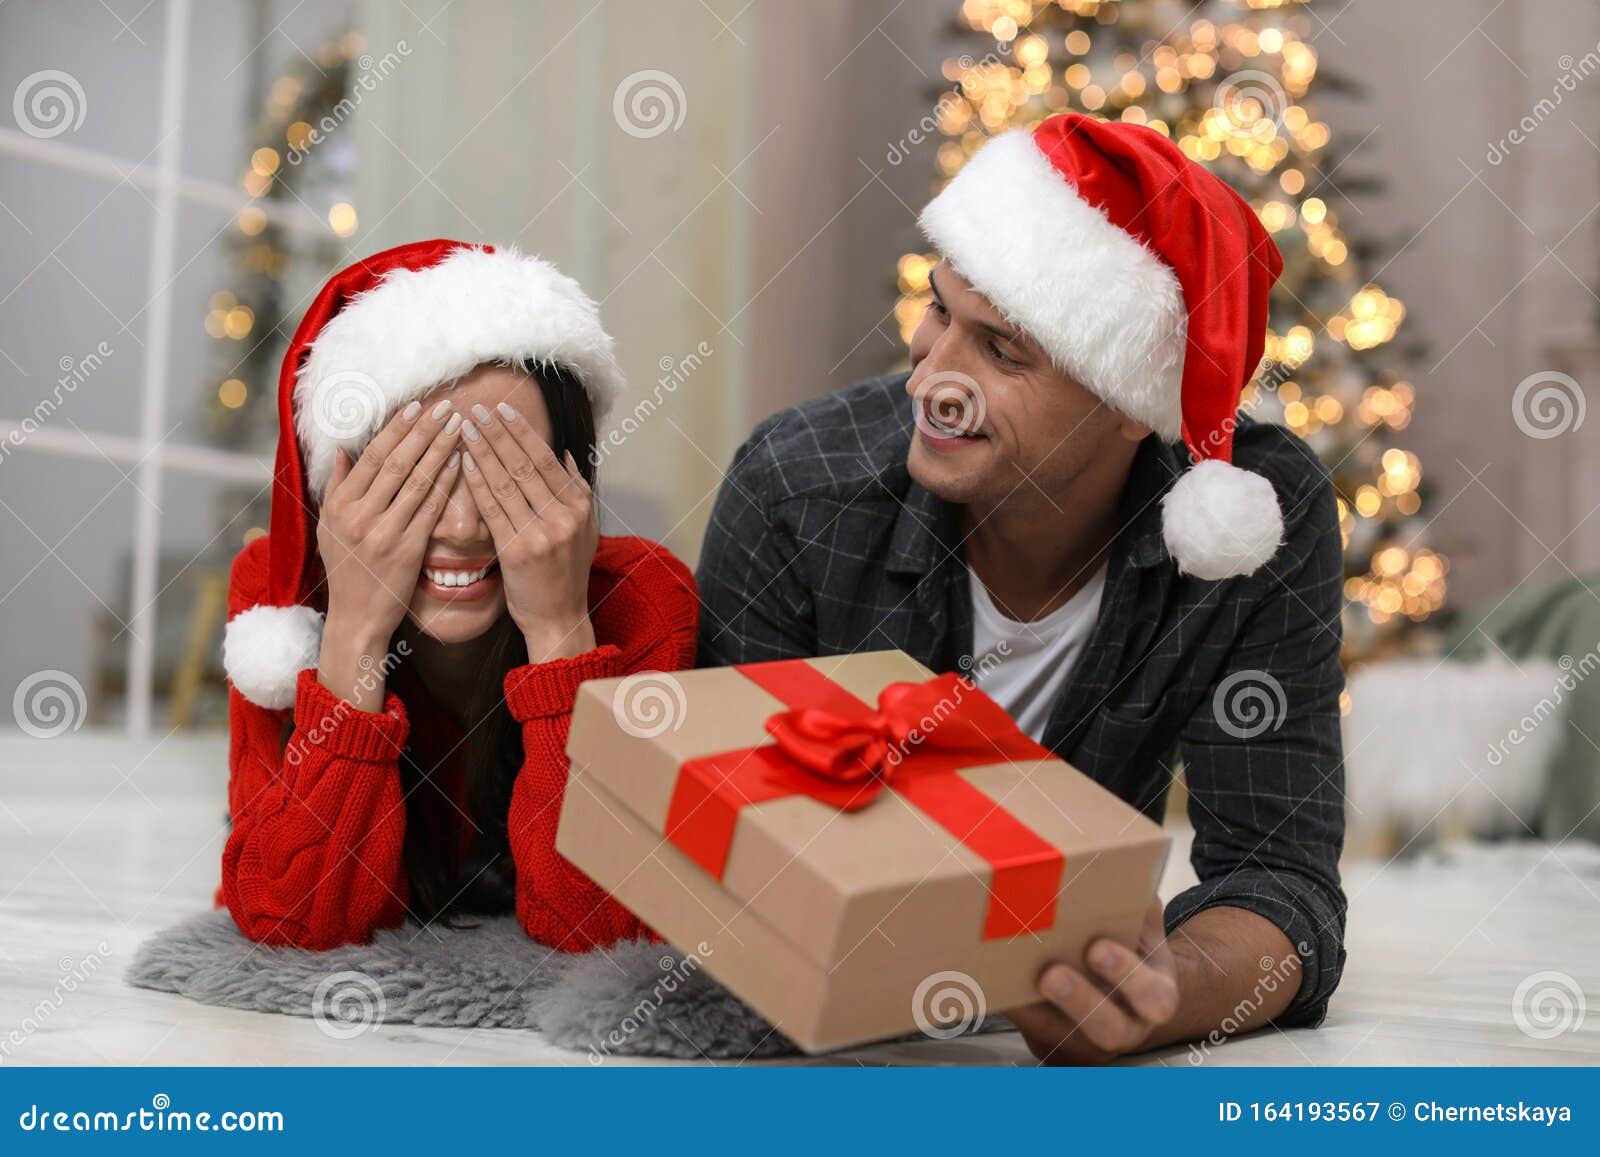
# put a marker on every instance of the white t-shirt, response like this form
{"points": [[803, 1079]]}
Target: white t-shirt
{"points": [[1023, 666]]}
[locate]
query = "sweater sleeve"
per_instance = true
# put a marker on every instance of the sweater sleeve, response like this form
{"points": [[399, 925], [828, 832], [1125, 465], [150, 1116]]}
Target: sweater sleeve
{"points": [[313, 857], [558, 905]]}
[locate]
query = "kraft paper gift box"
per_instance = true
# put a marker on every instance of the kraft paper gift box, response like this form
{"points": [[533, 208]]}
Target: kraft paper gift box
{"points": [[851, 867]]}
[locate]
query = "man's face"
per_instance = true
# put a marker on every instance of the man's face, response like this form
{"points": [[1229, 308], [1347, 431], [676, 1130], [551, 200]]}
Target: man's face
{"points": [[993, 415]]}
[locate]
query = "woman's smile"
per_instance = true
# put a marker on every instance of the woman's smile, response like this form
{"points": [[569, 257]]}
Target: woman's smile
{"points": [[459, 579]]}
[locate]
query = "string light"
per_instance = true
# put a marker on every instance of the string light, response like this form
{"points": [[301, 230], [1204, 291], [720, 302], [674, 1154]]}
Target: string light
{"points": [[1402, 582], [238, 321], [264, 161], [1371, 318], [342, 219]]}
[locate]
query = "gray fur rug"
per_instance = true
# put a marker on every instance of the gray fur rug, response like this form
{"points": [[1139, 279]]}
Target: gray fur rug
{"points": [[637, 999]]}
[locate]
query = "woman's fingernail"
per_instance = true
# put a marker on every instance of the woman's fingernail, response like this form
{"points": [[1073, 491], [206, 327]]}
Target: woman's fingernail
{"points": [[483, 416], [1103, 958], [410, 412], [472, 467], [469, 430], [507, 412], [450, 462], [441, 409], [453, 424]]}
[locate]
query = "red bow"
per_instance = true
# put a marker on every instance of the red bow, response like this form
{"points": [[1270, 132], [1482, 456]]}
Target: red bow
{"points": [[944, 714]]}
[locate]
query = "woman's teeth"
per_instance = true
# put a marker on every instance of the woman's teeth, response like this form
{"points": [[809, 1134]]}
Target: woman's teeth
{"points": [[456, 578]]}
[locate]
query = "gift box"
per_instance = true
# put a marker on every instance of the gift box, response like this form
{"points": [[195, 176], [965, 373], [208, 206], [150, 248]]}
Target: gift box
{"points": [[854, 847]]}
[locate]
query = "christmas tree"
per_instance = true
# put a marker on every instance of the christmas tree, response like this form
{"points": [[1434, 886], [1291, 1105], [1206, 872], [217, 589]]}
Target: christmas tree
{"points": [[1229, 81], [279, 247], [278, 251]]}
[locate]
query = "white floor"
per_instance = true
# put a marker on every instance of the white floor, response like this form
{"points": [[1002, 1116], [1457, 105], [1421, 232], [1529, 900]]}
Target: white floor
{"points": [[103, 840]]}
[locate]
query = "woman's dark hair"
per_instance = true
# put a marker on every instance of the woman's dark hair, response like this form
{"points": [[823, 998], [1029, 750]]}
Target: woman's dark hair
{"points": [[484, 882]]}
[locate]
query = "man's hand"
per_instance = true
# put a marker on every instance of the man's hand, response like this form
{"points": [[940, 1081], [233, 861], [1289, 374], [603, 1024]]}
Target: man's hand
{"points": [[1224, 970], [1118, 1008]]}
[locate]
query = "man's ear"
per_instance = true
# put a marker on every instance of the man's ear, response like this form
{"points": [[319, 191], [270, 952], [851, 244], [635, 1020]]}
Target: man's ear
{"points": [[1134, 431]]}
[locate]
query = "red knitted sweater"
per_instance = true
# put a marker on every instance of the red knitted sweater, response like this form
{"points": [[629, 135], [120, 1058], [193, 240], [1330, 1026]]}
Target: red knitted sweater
{"points": [[314, 857]]}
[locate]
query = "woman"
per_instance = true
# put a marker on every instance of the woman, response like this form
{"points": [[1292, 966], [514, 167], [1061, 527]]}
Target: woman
{"points": [[406, 644]]}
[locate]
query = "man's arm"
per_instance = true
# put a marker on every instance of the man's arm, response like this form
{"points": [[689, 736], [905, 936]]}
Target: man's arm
{"points": [[1236, 972], [1264, 765], [1260, 939], [754, 603]]}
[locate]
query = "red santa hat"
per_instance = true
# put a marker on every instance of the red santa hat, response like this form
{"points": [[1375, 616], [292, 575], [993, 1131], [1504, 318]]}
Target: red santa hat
{"points": [[388, 330], [1145, 278]]}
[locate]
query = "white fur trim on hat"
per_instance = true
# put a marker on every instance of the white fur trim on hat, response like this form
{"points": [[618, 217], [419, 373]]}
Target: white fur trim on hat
{"points": [[1220, 521], [420, 328], [264, 649], [1107, 310]]}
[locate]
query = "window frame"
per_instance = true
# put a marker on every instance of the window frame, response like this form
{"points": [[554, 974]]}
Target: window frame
{"points": [[148, 453]]}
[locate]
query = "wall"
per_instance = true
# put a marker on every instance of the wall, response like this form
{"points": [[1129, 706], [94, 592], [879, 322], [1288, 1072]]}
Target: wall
{"points": [[761, 225], [1496, 262]]}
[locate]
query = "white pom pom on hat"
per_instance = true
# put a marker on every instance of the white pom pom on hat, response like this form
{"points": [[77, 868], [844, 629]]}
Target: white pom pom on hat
{"points": [[264, 649], [1219, 521], [1145, 278]]}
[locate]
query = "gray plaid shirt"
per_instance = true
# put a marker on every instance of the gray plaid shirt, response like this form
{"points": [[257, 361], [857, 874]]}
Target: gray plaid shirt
{"points": [[821, 544]]}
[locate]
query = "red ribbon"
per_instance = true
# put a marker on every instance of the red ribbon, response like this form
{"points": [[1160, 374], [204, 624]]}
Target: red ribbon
{"points": [[834, 748]]}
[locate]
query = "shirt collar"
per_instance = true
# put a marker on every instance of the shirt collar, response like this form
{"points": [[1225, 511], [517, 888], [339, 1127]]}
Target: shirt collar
{"points": [[926, 530]]}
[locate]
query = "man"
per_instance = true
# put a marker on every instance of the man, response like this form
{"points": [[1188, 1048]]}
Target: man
{"points": [[1060, 501]]}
